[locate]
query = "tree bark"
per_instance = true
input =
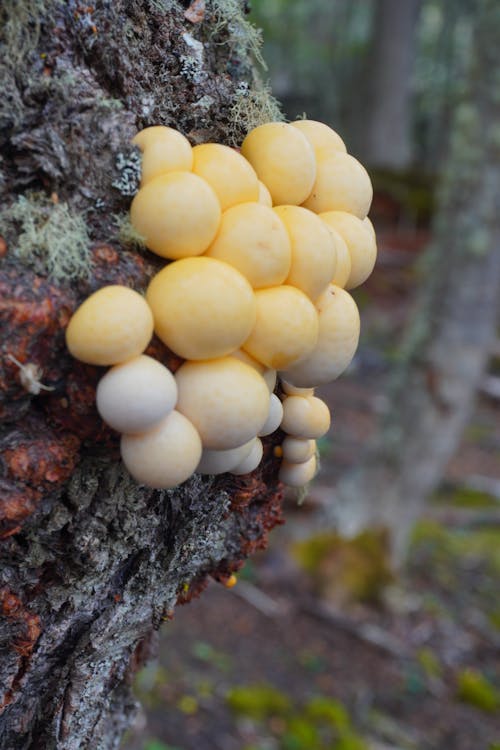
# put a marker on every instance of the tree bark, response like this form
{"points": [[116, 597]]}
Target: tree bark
{"points": [[443, 358], [385, 139], [90, 562]]}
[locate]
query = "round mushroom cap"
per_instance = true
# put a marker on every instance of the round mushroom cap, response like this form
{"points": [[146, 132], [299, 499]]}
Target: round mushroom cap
{"points": [[298, 475], [313, 250], [274, 418], [264, 195], [232, 178], [177, 213], [297, 450], [305, 417], [269, 375], [286, 328], [164, 150], [203, 308], [227, 401], [113, 325], [342, 184], [166, 455], [368, 224], [136, 395], [253, 239], [284, 161], [251, 461], [360, 242], [219, 462], [343, 266], [322, 138], [337, 341]]}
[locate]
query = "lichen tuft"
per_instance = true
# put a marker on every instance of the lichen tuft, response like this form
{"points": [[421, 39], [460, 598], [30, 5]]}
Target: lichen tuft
{"points": [[48, 237]]}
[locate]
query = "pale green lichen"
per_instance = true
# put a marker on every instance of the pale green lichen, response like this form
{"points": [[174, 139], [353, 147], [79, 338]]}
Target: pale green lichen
{"points": [[127, 233], [253, 106], [243, 36], [48, 237]]}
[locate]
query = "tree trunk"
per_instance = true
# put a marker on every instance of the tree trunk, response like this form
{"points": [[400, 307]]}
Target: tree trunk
{"points": [[446, 348], [90, 562], [385, 138]]}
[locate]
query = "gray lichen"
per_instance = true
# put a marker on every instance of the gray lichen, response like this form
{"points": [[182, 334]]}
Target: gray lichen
{"points": [[48, 237]]}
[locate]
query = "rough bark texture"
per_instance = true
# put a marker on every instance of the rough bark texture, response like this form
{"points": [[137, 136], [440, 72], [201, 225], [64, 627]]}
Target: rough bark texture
{"points": [[447, 347], [91, 563]]}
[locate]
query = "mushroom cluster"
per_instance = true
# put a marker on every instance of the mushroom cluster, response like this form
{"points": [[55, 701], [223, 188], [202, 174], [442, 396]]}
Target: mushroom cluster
{"points": [[261, 246]]}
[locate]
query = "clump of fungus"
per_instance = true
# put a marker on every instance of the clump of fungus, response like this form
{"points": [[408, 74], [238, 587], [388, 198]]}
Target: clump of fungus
{"points": [[247, 290]]}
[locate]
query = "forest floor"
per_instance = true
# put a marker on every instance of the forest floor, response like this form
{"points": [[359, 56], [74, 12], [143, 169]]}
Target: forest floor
{"points": [[316, 648]]}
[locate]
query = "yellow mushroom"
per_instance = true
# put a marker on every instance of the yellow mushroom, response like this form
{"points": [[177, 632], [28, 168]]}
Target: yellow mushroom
{"points": [[264, 196], [219, 462], [298, 475], [337, 341], [297, 450], [360, 242], [113, 325], [342, 184], [164, 150], [253, 239], [313, 249], [305, 417], [283, 159], [251, 461], [134, 396], [343, 267], [166, 455], [203, 308], [286, 328], [227, 172], [274, 418], [321, 137], [368, 224], [227, 401], [177, 213]]}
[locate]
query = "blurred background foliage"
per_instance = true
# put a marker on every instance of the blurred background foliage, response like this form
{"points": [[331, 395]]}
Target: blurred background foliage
{"points": [[329, 641]]}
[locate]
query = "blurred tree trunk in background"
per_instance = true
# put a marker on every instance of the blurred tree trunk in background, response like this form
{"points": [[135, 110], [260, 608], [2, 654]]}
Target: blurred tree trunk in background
{"points": [[383, 134], [446, 348]]}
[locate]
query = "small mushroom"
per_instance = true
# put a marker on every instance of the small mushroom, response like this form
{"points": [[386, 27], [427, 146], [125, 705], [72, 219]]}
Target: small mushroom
{"points": [[342, 184], [136, 395], [305, 417], [293, 390], [337, 341], [177, 213], [219, 462], [322, 138], [227, 401], [166, 455], [251, 461], [284, 161], [203, 308], [232, 178], [164, 150], [313, 250], [286, 328], [253, 239], [343, 267], [298, 475], [273, 421], [297, 450], [113, 325], [360, 241], [264, 196]]}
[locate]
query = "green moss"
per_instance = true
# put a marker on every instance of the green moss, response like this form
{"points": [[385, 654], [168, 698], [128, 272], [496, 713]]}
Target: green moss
{"points": [[258, 701], [464, 497], [475, 689], [330, 711], [47, 236], [429, 663], [356, 569]]}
